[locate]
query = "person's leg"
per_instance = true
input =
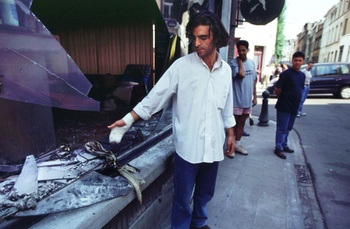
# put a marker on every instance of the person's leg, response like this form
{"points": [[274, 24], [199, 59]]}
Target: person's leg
{"points": [[203, 193], [281, 133], [281, 129], [251, 123], [240, 122], [303, 98], [184, 178], [239, 128], [290, 125], [307, 89]]}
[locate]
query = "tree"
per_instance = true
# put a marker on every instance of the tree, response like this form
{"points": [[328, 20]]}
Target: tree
{"points": [[280, 35]]}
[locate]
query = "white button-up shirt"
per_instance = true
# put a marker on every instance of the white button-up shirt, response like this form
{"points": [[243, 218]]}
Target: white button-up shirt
{"points": [[202, 106], [308, 76]]}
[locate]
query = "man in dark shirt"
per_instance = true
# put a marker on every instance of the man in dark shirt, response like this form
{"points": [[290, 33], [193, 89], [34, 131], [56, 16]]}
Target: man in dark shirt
{"points": [[288, 89]]}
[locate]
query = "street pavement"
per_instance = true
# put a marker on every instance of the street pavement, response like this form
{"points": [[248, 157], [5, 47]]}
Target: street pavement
{"points": [[261, 190]]}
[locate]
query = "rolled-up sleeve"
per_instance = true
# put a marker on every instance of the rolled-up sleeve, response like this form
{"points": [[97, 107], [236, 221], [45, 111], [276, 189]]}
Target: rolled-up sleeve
{"points": [[234, 68], [160, 94], [227, 116]]}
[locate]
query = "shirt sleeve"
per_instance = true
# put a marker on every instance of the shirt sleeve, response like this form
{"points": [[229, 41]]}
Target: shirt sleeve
{"points": [[229, 120], [227, 115], [160, 94], [234, 67]]}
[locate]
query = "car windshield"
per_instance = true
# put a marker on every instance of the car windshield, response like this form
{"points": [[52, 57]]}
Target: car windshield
{"points": [[324, 70]]}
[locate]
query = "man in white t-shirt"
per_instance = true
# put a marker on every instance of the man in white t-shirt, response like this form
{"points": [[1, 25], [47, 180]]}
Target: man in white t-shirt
{"points": [[244, 78], [308, 75]]}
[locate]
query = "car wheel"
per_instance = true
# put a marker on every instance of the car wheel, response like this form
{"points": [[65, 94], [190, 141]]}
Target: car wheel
{"points": [[345, 93]]}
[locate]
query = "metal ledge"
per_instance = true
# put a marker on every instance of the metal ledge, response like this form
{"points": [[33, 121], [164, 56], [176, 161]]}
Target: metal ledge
{"points": [[152, 163]]}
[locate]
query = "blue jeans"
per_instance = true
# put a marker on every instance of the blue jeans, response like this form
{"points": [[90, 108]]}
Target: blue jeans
{"points": [[201, 177], [303, 97], [285, 123]]}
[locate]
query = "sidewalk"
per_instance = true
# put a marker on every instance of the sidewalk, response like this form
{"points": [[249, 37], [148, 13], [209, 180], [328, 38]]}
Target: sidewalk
{"points": [[263, 191]]}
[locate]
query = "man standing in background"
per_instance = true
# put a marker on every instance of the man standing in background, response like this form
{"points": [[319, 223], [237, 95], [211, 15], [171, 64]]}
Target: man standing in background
{"points": [[308, 75], [288, 88], [267, 73], [244, 79]]}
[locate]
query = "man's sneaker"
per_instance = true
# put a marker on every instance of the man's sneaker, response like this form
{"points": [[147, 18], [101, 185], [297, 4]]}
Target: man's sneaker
{"points": [[303, 114], [279, 153], [232, 155], [241, 150], [298, 115], [288, 150], [245, 134]]}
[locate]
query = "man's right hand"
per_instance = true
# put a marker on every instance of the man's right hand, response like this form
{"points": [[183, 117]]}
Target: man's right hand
{"points": [[241, 69], [119, 128]]}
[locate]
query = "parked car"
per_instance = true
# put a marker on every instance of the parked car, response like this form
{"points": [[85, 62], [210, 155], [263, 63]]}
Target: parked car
{"points": [[326, 78]]}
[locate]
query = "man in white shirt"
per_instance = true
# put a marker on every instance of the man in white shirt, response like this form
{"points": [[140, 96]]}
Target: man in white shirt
{"points": [[201, 88], [308, 75]]}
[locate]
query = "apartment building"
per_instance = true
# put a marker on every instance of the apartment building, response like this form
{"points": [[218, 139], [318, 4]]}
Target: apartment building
{"points": [[329, 39], [336, 45]]}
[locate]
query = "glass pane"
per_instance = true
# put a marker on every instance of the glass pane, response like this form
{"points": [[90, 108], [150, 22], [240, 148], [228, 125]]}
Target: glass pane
{"points": [[34, 66], [344, 69], [325, 70]]}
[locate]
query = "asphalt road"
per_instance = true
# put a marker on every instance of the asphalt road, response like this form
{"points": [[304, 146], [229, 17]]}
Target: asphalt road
{"points": [[324, 137]]}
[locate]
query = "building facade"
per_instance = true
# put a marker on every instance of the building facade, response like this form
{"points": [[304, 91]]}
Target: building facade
{"points": [[329, 39]]}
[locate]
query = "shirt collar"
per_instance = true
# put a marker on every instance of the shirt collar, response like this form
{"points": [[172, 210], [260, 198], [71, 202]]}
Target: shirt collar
{"points": [[218, 61]]}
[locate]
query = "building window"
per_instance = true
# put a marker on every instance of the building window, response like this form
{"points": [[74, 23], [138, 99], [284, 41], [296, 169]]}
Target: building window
{"points": [[317, 43], [341, 29], [340, 52], [336, 34], [345, 25]]}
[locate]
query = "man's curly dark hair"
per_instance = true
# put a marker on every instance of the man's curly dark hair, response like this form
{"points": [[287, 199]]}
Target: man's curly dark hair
{"points": [[221, 37]]}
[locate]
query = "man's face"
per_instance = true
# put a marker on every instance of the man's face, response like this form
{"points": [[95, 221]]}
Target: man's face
{"points": [[242, 52], [297, 62], [309, 66], [202, 39]]}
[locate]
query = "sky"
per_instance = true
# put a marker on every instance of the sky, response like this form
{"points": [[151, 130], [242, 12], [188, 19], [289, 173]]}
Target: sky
{"points": [[299, 12]]}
